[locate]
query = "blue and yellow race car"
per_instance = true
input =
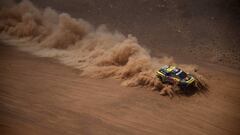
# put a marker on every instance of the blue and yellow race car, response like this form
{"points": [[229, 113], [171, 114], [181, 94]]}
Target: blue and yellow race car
{"points": [[173, 75]]}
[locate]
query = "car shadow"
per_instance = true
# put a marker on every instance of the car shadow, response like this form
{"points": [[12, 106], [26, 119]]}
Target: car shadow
{"points": [[190, 91]]}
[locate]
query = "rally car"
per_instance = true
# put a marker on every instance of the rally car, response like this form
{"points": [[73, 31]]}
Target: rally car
{"points": [[174, 75]]}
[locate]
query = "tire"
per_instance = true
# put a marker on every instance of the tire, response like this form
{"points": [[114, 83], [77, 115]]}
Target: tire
{"points": [[162, 79]]}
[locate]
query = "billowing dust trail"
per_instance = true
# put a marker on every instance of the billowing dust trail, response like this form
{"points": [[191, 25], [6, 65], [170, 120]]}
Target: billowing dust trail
{"points": [[96, 51]]}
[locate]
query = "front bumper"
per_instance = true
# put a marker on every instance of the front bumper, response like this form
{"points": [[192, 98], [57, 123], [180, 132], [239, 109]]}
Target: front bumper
{"points": [[190, 81]]}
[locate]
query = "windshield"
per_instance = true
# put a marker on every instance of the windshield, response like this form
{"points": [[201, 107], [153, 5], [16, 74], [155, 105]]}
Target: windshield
{"points": [[182, 75]]}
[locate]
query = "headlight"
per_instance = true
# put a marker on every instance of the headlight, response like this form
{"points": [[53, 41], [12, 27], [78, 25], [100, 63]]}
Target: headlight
{"points": [[183, 81]]}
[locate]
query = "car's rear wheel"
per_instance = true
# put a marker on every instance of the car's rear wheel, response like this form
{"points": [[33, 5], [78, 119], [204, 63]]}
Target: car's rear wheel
{"points": [[162, 79]]}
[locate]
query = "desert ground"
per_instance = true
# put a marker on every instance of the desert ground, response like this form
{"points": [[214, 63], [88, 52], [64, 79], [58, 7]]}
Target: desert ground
{"points": [[40, 95]]}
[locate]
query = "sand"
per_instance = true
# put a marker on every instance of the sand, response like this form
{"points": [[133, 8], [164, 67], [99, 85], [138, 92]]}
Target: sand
{"points": [[47, 86]]}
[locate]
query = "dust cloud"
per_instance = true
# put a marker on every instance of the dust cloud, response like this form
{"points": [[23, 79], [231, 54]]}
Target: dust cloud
{"points": [[96, 51]]}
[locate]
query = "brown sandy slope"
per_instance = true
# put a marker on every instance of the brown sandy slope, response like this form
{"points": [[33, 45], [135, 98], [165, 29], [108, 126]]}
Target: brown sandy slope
{"points": [[40, 96]]}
